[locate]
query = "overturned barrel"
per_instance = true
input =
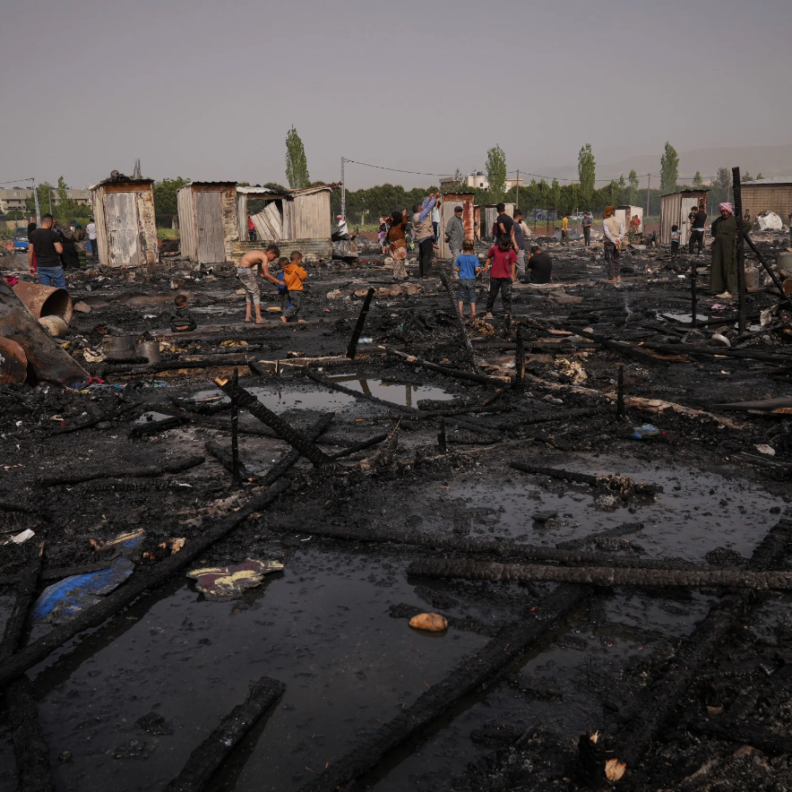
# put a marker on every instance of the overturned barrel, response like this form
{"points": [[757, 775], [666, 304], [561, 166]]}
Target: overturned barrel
{"points": [[13, 362], [45, 300]]}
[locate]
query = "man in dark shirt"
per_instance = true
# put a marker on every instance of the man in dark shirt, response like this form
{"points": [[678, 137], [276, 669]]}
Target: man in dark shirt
{"points": [[504, 225], [44, 243], [540, 266], [697, 231]]}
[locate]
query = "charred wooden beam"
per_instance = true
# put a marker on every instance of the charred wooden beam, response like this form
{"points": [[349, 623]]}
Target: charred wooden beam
{"points": [[226, 459], [479, 669], [358, 329], [449, 372], [143, 472], [494, 547], [294, 438], [600, 576], [110, 415], [637, 734], [460, 323], [155, 427], [209, 756], [615, 483], [354, 449]]}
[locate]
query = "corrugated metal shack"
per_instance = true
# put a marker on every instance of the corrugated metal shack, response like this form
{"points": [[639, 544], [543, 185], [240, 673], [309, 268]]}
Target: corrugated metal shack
{"points": [[450, 202], [768, 195], [126, 230], [208, 221], [295, 220], [674, 210]]}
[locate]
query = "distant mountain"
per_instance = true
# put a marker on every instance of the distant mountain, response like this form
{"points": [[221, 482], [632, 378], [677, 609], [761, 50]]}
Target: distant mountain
{"points": [[767, 160]]}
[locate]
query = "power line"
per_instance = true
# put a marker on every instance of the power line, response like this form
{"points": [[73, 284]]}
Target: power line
{"points": [[14, 181], [395, 170]]}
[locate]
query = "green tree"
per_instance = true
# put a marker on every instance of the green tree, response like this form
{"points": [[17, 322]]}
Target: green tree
{"points": [[587, 172], [759, 177], [46, 200], [622, 189], [698, 181], [165, 196], [66, 206], [669, 169], [633, 188], [555, 195], [296, 161], [496, 173]]}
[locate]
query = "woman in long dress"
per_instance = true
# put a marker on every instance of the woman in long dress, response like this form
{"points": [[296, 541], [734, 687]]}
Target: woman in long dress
{"points": [[723, 274]]}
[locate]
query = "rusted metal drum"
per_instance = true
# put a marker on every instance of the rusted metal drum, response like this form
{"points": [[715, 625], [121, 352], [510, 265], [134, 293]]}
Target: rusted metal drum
{"points": [[13, 362], [120, 349], [149, 350], [45, 300]]}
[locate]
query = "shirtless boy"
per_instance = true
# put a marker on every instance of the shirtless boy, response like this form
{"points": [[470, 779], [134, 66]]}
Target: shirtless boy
{"points": [[260, 259]]}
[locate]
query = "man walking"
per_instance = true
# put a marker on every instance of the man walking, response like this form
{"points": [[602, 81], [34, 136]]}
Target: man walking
{"points": [[423, 233], [697, 231], [47, 249], [565, 230], [586, 229], [455, 233], [91, 230]]}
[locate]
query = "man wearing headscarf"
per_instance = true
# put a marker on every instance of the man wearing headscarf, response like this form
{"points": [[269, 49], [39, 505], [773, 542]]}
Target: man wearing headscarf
{"points": [[723, 275], [613, 229]]}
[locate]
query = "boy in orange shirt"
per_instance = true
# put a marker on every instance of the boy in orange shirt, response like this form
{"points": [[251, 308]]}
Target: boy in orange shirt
{"points": [[293, 277]]}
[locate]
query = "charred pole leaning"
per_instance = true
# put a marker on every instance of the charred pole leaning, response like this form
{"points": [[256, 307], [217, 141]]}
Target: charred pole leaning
{"points": [[353, 342], [236, 480], [738, 213], [30, 747], [519, 362], [693, 296], [460, 323], [208, 757], [293, 437]]}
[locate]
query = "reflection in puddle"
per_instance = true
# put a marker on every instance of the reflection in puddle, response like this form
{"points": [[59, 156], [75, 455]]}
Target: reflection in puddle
{"points": [[399, 393]]}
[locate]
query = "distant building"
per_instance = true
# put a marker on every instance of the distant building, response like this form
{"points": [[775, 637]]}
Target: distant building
{"points": [[477, 180], [512, 183], [768, 195], [14, 200]]}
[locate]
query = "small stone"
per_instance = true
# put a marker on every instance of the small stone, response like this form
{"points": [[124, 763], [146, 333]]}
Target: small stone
{"points": [[432, 622], [544, 516], [65, 757], [82, 307], [766, 449]]}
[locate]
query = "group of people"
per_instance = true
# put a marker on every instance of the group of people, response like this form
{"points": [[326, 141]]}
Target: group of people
{"points": [[53, 248]]}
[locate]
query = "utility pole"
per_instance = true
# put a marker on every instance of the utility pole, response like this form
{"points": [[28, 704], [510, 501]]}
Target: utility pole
{"points": [[518, 188], [36, 202], [738, 215], [343, 189]]}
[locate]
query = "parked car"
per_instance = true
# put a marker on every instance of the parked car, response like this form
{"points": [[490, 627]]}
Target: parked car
{"points": [[21, 239]]}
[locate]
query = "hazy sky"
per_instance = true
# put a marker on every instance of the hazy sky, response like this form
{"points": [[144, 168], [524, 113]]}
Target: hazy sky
{"points": [[208, 90]]}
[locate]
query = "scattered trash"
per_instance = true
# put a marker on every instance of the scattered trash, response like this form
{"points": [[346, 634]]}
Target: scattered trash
{"points": [[765, 449], [224, 583], [21, 538], [69, 597], [720, 340], [644, 432], [431, 622], [614, 770], [572, 370], [174, 545], [768, 221], [366, 340], [55, 325]]}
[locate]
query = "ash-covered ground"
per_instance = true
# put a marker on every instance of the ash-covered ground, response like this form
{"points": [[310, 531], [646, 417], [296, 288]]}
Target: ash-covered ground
{"points": [[123, 705]]}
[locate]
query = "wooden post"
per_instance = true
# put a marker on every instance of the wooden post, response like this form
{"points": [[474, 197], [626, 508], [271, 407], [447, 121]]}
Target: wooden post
{"points": [[519, 362], [353, 342], [235, 481], [693, 296], [740, 249], [620, 394]]}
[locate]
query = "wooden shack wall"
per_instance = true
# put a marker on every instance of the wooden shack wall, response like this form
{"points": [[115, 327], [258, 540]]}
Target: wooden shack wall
{"points": [[312, 216], [97, 207], [669, 215], [188, 242], [147, 225], [230, 220], [768, 198]]}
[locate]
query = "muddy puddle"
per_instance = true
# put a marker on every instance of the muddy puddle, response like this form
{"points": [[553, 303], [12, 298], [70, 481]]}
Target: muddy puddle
{"points": [[303, 398], [321, 627]]}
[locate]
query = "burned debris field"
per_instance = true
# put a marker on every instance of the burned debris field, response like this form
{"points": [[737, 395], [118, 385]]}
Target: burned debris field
{"points": [[592, 494]]}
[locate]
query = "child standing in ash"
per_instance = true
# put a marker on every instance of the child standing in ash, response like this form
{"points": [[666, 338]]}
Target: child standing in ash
{"points": [[283, 292], [467, 267], [293, 277], [182, 319], [674, 241], [503, 261]]}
